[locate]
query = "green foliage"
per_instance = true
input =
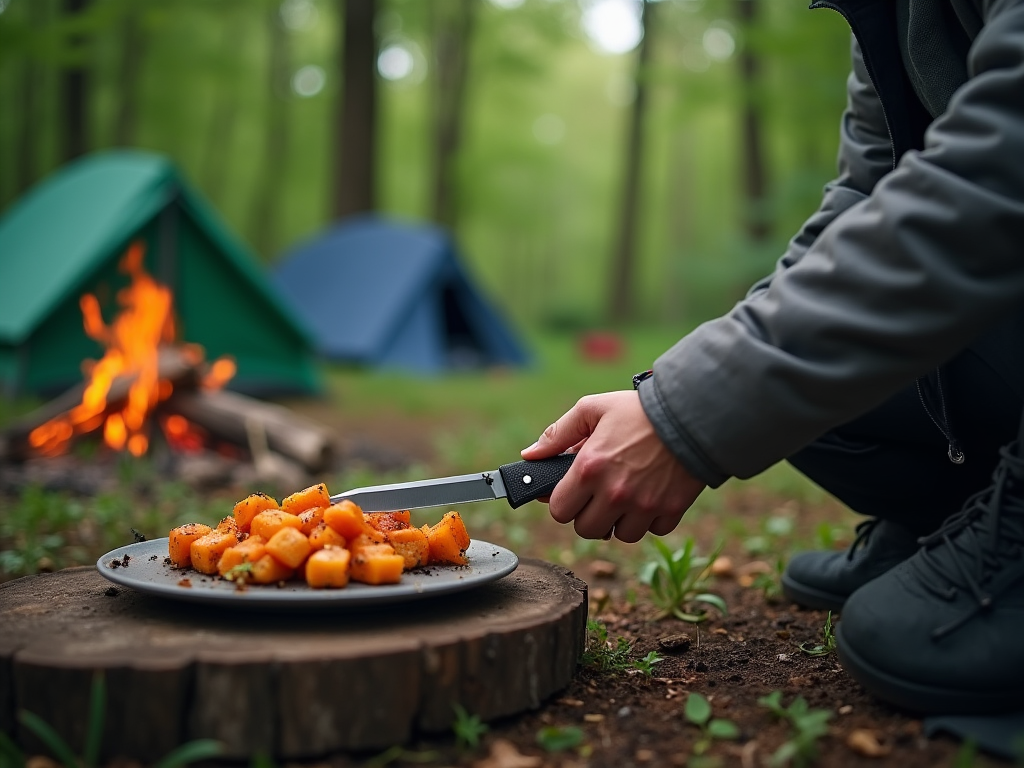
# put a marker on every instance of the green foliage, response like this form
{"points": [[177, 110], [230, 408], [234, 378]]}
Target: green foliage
{"points": [[10, 755], [807, 726], [770, 584], [828, 640], [965, 756], [697, 711], [468, 728], [645, 666], [191, 752], [602, 655], [676, 578], [558, 738]]}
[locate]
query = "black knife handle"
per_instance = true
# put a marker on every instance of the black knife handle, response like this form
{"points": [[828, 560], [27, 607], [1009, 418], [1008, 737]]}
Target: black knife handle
{"points": [[529, 480]]}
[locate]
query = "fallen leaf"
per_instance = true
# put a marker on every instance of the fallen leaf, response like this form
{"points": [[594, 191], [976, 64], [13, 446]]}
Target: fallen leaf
{"points": [[593, 718], [603, 569], [865, 742], [505, 755], [644, 756], [722, 567]]}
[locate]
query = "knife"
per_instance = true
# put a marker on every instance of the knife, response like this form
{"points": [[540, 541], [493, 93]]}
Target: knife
{"points": [[517, 483]]}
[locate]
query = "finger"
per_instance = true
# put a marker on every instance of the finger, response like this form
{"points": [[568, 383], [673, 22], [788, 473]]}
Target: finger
{"points": [[631, 528], [665, 524], [593, 523], [573, 493], [573, 427]]}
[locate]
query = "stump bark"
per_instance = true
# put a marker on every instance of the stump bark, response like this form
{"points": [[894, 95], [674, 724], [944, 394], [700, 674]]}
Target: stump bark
{"points": [[292, 685]]}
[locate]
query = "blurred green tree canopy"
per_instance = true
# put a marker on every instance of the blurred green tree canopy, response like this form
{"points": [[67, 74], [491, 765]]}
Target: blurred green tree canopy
{"points": [[242, 94]]}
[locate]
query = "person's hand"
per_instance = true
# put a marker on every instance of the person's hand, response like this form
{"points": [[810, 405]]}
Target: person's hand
{"points": [[623, 480]]}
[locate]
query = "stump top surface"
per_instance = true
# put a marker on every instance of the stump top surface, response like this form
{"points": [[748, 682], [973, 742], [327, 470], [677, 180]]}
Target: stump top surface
{"points": [[76, 619]]}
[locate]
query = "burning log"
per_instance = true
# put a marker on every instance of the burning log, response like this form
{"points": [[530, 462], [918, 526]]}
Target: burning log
{"points": [[179, 366], [257, 425]]}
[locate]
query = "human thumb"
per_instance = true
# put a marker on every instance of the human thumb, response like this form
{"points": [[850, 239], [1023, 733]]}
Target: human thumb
{"points": [[569, 430]]}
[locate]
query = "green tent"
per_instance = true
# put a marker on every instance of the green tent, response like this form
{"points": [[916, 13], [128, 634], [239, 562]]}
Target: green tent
{"points": [[67, 236]]}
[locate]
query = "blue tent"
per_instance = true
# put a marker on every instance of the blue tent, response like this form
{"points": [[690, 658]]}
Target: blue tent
{"points": [[385, 294]]}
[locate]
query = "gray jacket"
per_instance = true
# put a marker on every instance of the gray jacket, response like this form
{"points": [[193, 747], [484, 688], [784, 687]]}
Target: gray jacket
{"points": [[900, 268]]}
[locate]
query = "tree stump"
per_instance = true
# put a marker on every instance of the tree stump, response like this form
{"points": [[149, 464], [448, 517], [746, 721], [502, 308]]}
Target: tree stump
{"points": [[291, 685]]}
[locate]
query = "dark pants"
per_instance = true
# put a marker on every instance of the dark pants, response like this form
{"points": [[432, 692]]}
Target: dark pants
{"points": [[892, 462]]}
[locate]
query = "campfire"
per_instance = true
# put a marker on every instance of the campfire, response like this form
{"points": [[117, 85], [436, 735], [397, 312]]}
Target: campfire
{"points": [[150, 385]]}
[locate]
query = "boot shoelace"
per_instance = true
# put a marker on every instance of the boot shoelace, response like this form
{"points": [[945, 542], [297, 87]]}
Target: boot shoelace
{"points": [[981, 539], [863, 531]]}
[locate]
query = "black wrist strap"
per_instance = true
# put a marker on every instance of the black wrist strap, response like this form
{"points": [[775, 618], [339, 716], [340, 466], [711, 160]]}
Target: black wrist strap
{"points": [[642, 376]]}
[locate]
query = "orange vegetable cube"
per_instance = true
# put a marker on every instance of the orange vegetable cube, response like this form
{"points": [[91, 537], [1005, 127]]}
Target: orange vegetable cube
{"points": [[228, 525], [248, 551], [311, 518], [250, 506], [289, 546], [300, 501], [179, 543], [328, 567], [411, 544], [373, 565], [386, 521], [206, 551], [268, 570], [448, 540], [270, 521], [346, 518], [371, 538], [325, 536]]}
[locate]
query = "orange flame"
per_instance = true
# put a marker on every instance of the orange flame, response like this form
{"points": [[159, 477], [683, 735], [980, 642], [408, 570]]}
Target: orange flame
{"points": [[132, 344]]}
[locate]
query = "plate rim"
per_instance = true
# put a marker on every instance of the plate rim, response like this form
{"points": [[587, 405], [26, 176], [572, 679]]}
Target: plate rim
{"points": [[261, 597]]}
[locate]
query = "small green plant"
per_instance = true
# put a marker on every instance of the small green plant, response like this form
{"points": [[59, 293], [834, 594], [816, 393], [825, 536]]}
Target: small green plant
{"points": [[10, 755], [697, 711], [602, 655], [808, 725], [468, 728], [190, 752], [770, 583], [676, 578], [828, 640], [645, 666], [558, 738]]}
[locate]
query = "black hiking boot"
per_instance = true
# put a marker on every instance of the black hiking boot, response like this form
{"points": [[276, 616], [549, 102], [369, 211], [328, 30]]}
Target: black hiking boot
{"points": [[943, 632], [825, 579]]}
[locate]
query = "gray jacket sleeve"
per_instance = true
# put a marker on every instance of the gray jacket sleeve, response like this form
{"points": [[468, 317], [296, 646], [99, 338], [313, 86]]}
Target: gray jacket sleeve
{"points": [[892, 285]]}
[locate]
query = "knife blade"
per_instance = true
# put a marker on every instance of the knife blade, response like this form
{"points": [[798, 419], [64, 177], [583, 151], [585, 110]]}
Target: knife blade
{"points": [[517, 483]]}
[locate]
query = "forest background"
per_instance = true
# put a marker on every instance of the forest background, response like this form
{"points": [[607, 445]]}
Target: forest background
{"points": [[601, 162]]}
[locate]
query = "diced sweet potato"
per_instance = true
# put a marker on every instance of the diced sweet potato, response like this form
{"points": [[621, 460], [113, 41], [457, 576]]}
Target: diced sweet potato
{"points": [[248, 551], [250, 506], [179, 544], [328, 567], [325, 536], [386, 521], [373, 565], [206, 551], [371, 538], [308, 498], [346, 518], [228, 525], [411, 544], [289, 546], [448, 540], [311, 518], [268, 570], [270, 521]]}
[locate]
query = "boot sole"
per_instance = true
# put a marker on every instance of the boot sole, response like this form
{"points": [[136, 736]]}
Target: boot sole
{"points": [[809, 597], [924, 699]]}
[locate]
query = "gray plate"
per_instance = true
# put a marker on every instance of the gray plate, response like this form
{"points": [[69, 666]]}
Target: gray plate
{"points": [[147, 572]]}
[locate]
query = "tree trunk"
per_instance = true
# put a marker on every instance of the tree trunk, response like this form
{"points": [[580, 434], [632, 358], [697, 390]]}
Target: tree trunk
{"points": [[74, 93], [221, 127], [452, 37], [756, 221], [624, 259], [132, 48], [355, 151], [275, 146]]}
